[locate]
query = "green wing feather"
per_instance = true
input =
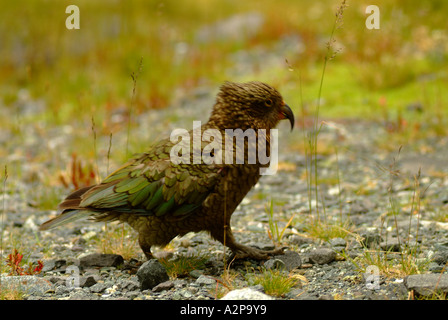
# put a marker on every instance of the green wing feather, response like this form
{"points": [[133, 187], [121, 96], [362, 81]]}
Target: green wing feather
{"points": [[153, 185]]}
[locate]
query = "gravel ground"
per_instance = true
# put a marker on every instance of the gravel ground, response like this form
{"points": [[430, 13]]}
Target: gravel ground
{"points": [[363, 183], [356, 186]]}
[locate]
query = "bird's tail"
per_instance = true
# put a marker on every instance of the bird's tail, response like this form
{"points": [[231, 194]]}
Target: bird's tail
{"points": [[69, 209], [65, 217]]}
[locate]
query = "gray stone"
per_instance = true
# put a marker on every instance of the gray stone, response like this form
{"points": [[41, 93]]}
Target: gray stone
{"points": [[167, 285], [61, 290], [338, 244], [246, 294], [48, 265], [196, 273], [440, 257], [427, 284], [391, 244], [435, 267], [128, 285], [87, 281], [300, 294], [151, 273], [299, 240], [322, 255], [31, 285], [291, 260], [205, 280], [370, 239], [275, 264], [98, 287], [79, 294], [132, 295], [101, 260]]}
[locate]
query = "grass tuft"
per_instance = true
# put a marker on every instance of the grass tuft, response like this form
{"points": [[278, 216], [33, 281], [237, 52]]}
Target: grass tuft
{"points": [[183, 265], [119, 239]]}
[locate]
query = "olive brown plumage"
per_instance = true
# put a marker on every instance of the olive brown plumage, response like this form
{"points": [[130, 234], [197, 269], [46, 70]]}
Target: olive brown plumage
{"points": [[161, 198]]}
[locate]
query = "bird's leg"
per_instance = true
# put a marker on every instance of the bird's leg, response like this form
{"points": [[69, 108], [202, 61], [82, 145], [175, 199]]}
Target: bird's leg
{"points": [[145, 246], [242, 251]]}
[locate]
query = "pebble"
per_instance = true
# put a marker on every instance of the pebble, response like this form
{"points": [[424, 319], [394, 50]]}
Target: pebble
{"points": [[166, 285], [205, 280], [290, 260], [427, 284], [101, 260], [30, 285], [151, 273], [246, 294], [322, 255]]}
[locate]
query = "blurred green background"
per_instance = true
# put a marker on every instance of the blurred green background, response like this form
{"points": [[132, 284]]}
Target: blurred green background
{"points": [[395, 75]]}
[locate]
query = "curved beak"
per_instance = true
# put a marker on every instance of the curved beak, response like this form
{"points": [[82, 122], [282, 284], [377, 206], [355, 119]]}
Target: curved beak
{"points": [[286, 113]]}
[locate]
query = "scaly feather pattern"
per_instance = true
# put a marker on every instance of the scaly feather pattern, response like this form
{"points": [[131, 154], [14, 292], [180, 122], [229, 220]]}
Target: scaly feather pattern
{"points": [[161, 198]]}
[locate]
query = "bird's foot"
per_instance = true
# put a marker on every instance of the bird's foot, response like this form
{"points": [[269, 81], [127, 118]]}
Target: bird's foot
{"points": [[245, 252]]}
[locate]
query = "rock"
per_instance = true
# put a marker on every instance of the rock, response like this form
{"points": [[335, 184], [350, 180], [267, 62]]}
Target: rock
{"points": [[338, 244], [391, 244], [246, 294], [275, 264], [358, 208], [435, 267], [53, 264], [290, 260], [151, 273], [101, 260], [31, 285], [322, 255], [299, 240], [205, 280], [427, 284], [98, 287], [370, 239], [87, 281], [196, 273], [440, 257], [79, 294], [128, 285], [300, 294], [131, 295], [167, 285]]}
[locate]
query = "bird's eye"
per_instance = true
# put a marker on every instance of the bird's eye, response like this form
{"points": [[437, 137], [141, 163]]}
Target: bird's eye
{"points": [[268, 103]]}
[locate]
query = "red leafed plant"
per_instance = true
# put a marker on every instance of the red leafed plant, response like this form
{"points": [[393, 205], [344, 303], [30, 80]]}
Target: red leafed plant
{"points": [[14, 261], [78, 174]]}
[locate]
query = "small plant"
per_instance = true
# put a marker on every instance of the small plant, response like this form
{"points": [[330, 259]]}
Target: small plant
{"points": [[78, 174], [11, 293], [405, 262], [225, 283], [183, 265], [276, 282], [15, 263], [330, 229], [274, 233], [134, 76], [119, 239]]}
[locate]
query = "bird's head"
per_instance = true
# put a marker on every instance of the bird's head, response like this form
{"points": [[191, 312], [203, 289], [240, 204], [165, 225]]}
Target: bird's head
{"points": [[253, 105]]}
